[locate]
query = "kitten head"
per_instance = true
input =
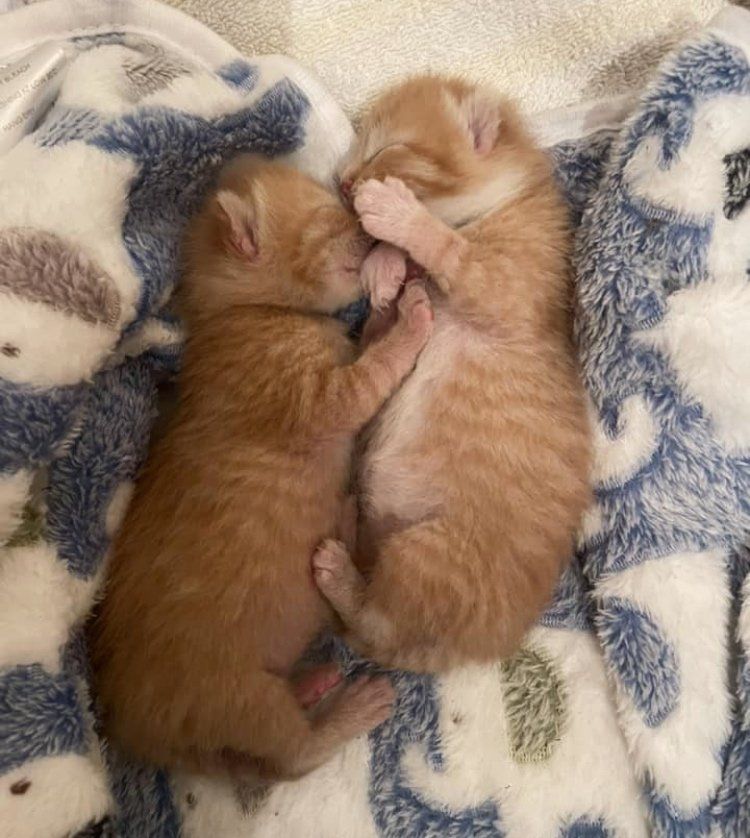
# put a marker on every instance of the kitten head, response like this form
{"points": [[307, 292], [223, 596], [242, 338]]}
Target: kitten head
{"points": [[270, 235], [462, 149]]}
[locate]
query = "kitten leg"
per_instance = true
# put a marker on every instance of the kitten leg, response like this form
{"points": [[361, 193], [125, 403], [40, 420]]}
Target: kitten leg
{"points": [[424, 607], [338, 579], [353, 394], [380, 321], [344, 587], [383, 273], [267, 736], [298, 748]]}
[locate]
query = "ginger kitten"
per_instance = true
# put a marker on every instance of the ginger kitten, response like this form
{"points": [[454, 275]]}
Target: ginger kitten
{"points": [[210, 601], [474, 477]]}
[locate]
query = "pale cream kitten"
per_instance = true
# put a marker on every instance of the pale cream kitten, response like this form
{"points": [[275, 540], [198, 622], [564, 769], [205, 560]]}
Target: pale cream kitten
{"points": [[474, 477]]}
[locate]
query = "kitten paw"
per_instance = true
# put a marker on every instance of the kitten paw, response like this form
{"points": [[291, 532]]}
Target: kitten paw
{"points": [[387, 209], [415, 308], [383, 273], [337, 578], [365, 702], [312, 686]]}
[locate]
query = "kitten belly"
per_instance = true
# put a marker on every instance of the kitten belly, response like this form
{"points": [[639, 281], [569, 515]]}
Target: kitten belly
{"points": [[399, 480]]}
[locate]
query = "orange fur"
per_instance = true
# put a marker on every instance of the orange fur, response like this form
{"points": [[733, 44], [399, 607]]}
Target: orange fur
{"points": [[210, 600], [474, 477]]}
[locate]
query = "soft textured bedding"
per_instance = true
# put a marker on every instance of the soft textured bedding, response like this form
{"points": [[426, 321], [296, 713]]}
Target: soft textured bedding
{"points": [[626, 711], [548, 53]]}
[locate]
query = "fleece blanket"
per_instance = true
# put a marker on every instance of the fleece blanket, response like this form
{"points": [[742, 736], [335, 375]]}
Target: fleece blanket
{"points": [[627, 711]]}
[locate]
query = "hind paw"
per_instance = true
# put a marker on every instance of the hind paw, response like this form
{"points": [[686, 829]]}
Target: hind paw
{"points": [[312, 686], [337, 578], [366, 701]]}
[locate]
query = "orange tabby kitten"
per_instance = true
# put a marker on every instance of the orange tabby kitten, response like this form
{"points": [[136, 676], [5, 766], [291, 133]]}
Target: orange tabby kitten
{"points": [[210, 599], [473, 479]]}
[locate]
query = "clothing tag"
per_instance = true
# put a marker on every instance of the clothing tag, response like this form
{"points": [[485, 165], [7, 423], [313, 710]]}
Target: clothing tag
{"points": [[28, 86]]}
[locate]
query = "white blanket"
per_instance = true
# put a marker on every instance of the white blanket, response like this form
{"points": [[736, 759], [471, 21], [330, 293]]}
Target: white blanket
{"points": [[546, 53]]}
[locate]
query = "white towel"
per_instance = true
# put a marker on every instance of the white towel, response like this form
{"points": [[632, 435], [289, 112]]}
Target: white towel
{"points": [[549, 53]]}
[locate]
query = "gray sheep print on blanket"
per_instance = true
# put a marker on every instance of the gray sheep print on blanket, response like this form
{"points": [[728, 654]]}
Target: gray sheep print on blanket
{"points": [[627, 711]]}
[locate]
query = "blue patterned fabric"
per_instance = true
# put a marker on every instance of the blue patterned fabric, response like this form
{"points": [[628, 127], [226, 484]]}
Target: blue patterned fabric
{"points": [[648, 242], [681, 497], [68, 450], [645, 644]]}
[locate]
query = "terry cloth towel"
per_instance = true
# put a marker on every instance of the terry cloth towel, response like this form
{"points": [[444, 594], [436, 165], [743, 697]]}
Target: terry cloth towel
{"points": [[626, 713], [547, 53]]}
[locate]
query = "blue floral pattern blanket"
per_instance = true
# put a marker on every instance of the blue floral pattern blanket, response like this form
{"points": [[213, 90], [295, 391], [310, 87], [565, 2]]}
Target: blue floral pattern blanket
{"points": [[627, 711]]}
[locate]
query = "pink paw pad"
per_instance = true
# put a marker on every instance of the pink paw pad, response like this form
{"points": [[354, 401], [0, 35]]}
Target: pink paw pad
{"points": [[311, 687]]}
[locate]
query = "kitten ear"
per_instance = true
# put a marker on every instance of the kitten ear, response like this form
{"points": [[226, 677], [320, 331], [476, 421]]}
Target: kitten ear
{"points": [[240, 221], [482, 114]]}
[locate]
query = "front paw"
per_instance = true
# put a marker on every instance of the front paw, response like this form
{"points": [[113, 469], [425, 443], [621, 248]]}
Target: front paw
{"points": [[415, 309], [383, 273], [387, 210]]}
